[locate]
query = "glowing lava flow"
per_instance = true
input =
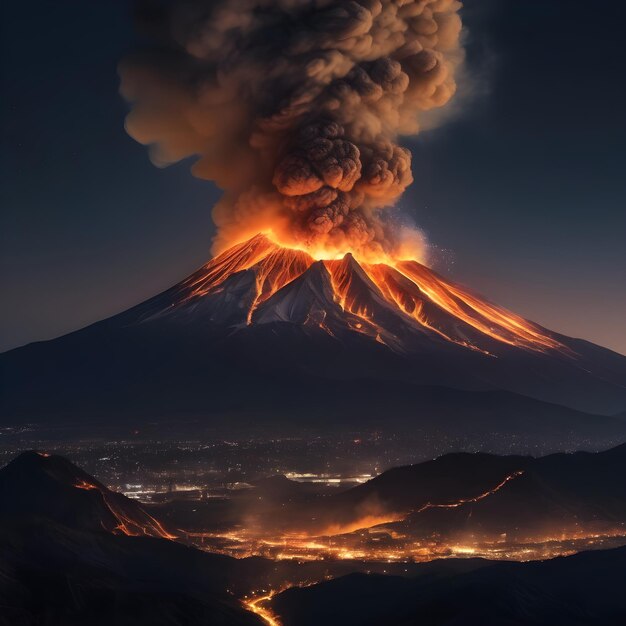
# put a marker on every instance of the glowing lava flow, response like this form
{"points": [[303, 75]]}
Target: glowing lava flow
{"points": [[275, 271], [482, 496], [408, 297], [255, 605], [274, 268], [125, 525], [487, 318], [382, 296]]}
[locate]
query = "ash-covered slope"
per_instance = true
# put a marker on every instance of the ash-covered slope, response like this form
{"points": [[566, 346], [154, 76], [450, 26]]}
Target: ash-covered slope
{"points": [[261, 327]]}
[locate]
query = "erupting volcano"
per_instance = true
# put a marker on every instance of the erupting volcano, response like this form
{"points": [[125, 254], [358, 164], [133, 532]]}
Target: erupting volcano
{"points": [[297, 111], [262, 326], [395, 303]]}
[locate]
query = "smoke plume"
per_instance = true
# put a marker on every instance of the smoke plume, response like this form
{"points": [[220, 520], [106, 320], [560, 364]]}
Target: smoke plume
{"points": [[294, 107]]}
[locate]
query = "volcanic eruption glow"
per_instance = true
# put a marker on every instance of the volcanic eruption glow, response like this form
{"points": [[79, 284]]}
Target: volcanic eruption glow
{"points": [[295, 110]]}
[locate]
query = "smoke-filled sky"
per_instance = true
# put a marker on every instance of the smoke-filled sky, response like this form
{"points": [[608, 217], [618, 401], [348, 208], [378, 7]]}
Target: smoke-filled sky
{"points": [[294, 108], [521, 189]]}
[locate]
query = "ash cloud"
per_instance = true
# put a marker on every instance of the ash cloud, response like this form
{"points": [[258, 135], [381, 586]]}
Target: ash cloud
{"points": [[294, 107]]}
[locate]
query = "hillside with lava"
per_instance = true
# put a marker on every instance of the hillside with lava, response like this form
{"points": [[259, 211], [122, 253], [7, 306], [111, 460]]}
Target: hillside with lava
{"points": [[396, 305]]}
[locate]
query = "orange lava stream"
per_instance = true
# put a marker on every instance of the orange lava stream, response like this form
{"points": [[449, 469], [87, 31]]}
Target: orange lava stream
{"points": [[275, 271], [236, 259], [126, 525], [275, 266], [255, 605], [409, 299], [482, 496], [487, 318], [408, 287], [352, 299]]}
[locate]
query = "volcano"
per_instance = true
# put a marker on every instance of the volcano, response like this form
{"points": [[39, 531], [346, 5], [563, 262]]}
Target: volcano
{"points": [[265, 332]]}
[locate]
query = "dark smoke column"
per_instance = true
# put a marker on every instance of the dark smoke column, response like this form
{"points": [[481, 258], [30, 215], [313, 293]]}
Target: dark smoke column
{"points": [[294, 107]]}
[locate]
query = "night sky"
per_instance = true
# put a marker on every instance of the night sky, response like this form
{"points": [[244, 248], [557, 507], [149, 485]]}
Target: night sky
{"points": [[523, 192]]}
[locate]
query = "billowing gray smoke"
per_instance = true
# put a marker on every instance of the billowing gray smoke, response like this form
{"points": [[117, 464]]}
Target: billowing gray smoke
{"points": [[294, 107]]}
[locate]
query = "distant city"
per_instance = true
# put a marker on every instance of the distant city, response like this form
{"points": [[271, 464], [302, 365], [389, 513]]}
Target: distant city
{"points": [[155, 469]]}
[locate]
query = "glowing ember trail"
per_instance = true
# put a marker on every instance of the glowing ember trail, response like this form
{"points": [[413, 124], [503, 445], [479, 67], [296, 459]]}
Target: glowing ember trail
{"points": [[482, 496], [83, 484], [383, 297], [255, 605], [409, 298], [489, 319], [126, 525]]}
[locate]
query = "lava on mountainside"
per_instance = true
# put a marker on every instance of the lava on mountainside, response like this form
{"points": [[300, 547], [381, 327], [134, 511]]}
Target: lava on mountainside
{"points": [[382, 300]]}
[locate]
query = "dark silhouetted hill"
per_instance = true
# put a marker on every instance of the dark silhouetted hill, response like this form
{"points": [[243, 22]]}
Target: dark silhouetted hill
{"points": [[585, 589]]}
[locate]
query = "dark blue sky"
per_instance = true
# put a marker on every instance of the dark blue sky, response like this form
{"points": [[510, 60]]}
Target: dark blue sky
{"points": [[525, 189]]}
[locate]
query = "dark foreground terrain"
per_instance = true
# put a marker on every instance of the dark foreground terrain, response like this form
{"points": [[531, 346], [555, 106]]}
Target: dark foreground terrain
{"points": [[586, 588], [76, 555], [73, 552]]}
